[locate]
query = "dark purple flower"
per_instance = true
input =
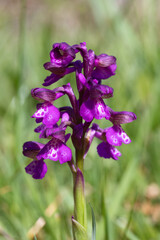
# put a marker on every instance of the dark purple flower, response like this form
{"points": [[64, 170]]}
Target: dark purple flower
{"points": [[77, 136], [106, 150], [44, 95], [121, 117], [37, 169], [62, 54], [57, 73], [31, 149], [48, 113]]}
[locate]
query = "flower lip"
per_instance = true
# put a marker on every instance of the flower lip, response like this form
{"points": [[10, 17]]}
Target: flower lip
{"points": [[106, 150], [37, 169], [115, 136], [48, 113], [55, 150]]}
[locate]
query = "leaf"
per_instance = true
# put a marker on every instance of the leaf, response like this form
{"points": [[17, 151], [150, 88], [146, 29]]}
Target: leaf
{"points": [[79, 231]]}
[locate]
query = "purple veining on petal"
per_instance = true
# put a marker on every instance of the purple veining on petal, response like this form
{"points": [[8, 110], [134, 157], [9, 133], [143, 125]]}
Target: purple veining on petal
{"points": [[31, 149], [43, 94], [121, 117]]}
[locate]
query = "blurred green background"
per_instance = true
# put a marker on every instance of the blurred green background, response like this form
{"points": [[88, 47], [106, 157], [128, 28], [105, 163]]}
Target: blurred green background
{"points": [[124, 194]]}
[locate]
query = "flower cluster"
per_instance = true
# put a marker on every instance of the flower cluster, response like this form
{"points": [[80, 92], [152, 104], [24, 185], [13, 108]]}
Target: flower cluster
{"points": [[79, 116]]}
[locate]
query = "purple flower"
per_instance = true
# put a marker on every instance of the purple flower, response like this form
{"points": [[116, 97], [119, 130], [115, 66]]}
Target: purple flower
{"points": [[94, 108], [121, 117], [93, 105], [31, 149], [106, 150], [55, 150], [45, 95], [55, 131], [105, 66], [48, 114], [116, 135], [89, 105], [37, 169], [57, 73], [62, 54]]}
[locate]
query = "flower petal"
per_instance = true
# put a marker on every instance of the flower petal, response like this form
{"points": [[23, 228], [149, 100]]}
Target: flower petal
{"points": [[31, 149], [105, 150], [55, 150], [64, 154], [104, 72], [37, 169], [62, 54], [52, 116], [121, 117], [43, 94], [104, 60], [116, 135], [42, 110], [99, 109], [86, 110], [50, 150]]}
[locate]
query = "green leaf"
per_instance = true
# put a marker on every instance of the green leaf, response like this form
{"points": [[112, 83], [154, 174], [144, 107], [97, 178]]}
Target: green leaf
{"points": [[79, 231], [35, 238]]}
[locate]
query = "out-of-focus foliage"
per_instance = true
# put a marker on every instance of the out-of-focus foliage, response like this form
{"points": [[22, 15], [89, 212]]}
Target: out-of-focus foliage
{"points": [[116, 190]]}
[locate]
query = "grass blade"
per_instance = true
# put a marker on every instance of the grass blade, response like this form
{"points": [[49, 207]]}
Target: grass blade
{"points": [[93, 224]]}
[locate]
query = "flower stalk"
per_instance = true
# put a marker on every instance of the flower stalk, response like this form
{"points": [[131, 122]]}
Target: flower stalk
{"points": [[79, 116]]}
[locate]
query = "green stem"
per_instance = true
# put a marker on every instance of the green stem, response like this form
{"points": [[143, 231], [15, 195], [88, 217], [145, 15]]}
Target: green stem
{"points": [[80, 215], [79, 160]]}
